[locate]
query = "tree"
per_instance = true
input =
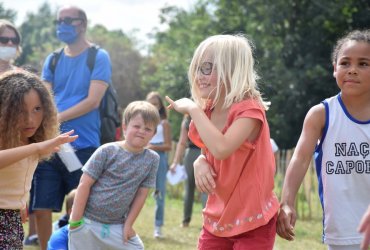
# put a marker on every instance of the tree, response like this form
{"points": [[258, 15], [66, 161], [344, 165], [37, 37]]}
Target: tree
{"points": [[125, 59], [7, 14], [293, 44], [39, 40]]}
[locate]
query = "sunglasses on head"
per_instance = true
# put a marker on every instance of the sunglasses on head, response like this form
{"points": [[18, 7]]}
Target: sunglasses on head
{"points": [[206, 68], [68, 20], [5, 40]]}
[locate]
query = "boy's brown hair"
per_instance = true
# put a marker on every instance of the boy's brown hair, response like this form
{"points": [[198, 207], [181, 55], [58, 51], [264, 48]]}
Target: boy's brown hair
{"points": [[148, 112]]}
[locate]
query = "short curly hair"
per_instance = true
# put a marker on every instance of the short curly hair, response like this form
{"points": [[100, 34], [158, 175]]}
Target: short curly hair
{"points": [[14, 85], [356, 35]]}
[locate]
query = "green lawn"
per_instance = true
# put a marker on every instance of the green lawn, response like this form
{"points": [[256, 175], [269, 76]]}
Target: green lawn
{"points": [[177, 238]]}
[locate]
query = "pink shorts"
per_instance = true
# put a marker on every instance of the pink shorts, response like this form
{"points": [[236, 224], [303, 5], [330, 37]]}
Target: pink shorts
{"points": [[261, 238]]}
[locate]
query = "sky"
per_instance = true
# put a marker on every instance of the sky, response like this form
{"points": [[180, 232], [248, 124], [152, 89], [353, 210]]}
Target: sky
{"points": [[126, 15]]}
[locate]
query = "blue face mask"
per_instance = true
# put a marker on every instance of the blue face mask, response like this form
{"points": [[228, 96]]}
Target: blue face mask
{"points": [[66, 33]]}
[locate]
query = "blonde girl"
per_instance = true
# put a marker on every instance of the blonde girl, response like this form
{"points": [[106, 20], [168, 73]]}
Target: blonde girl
{"points": [[28, 133], [237, 166]]}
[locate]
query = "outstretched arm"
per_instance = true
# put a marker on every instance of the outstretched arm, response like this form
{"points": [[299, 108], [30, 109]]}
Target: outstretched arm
{"points": [[180, 146], [136, 206], [311, 132], [13, 155], [220, 145]]}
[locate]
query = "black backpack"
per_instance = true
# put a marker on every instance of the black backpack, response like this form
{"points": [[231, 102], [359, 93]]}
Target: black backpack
{"points": [[109, 116]]}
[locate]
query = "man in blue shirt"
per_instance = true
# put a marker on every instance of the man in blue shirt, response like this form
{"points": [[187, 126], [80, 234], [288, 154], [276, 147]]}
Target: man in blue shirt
{"points": [[77, 94]]}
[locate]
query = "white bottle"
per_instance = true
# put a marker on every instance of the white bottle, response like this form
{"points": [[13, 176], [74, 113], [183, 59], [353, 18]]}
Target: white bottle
{"points": [[69, 158]]}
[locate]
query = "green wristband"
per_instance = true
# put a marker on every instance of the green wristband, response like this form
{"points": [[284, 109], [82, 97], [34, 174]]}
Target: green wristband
{"points": [[76, 223]]}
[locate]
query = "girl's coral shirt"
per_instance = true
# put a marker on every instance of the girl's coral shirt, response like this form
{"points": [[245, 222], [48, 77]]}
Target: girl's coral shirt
{"points": [[243, 199]]}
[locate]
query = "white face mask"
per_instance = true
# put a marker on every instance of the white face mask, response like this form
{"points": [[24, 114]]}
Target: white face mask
{"points": [[7, 53]]}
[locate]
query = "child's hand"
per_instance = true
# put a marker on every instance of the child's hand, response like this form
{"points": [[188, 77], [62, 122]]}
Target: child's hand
{"points": [[52, 145], [286, 222], [24, 215], [364, 228], [204, 175], [173, 168], [183, 105], [128, 232]]}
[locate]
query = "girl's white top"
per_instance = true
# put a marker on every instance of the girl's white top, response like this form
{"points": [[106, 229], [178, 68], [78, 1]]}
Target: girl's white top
{"points": [[159, 136]]}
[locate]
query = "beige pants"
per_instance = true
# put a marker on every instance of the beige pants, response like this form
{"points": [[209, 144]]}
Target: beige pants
{"points": [[94, 235]]}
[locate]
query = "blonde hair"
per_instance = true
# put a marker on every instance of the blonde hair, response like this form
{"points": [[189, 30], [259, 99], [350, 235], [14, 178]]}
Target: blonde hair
{"points": [[148, 112], [232, 58], [5, 24], [355, 35]]}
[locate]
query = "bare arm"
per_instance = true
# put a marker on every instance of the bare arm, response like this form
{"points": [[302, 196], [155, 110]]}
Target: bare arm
{"points": [[136, 206], [181, 145], [220, 145], [82, 194], [167, 144], [204, 175], [364, 228], [223, 145], [311, 133], [13, 155], [96, 93]]}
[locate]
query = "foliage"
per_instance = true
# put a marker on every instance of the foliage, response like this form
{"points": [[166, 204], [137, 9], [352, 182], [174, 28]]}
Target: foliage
{"points": [[307, 31], [7, 13], [39, 40], [125, 60], [293, 40], [172, 52], [293, 43]]}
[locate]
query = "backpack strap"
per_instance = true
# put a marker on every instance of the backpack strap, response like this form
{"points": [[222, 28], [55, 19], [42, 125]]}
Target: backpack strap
{"points": [[91, 56], [54, 59]]}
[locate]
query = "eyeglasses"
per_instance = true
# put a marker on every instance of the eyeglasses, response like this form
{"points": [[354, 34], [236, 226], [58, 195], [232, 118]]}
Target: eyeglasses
{"points": [[68, 20], [206, 68], [5, 40]]}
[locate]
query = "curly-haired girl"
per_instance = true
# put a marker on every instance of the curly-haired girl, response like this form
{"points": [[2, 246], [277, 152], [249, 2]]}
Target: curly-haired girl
{"points": [[28, 133]]}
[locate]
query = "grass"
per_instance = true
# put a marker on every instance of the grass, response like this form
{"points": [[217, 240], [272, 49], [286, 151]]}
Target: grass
{"points": [[177, 238]]}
